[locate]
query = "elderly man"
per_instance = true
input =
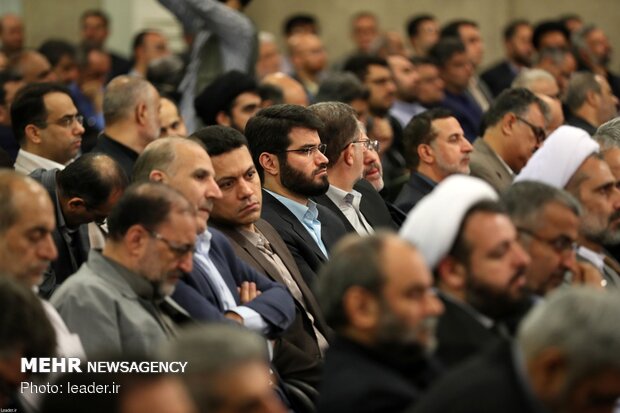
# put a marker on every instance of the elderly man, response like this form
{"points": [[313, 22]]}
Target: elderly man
{"points": [[515, 129], [377, 293], [289, 157], [570, 160], [131, 112], [113, 301], [575, 329], [435, 148], [358, 205], [47, 126], [467, 238], [590, 101], [547, 219]]}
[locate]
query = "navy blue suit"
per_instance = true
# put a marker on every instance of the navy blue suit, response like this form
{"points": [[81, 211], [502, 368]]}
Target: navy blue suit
{"points": [[196, 293], [466, 111]]}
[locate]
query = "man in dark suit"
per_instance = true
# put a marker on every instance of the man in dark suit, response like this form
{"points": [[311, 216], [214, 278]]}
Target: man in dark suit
{"points": [[574, 329], [468, 240], [435, 148], [379, 360], [85, 191], [519, 52], [590, 102], [358, 205], [94, 31], [288, 155], [237, 214]]}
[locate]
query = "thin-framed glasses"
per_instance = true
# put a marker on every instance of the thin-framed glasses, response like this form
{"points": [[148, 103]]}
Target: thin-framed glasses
{"points": [[368, 144], [65, 121], [309, 150], [561, 244], [538, 132], [177, 249]]}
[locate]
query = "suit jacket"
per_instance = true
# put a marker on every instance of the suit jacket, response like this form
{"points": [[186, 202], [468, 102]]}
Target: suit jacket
{"points": [[579, 122], [485, 164], [299, 356], [466, 111], [358, 379], [460, 335], [197, 294], [414, 190], [489, 383], [302, 246], [499, 77], [372, 207], [99, 305], [67, 262], [122, 154]]}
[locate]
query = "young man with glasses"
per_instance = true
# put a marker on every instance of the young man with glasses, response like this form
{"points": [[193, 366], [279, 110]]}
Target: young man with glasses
{"points": [[47, 126], [515, 129], [358, 205], [287, 152]]}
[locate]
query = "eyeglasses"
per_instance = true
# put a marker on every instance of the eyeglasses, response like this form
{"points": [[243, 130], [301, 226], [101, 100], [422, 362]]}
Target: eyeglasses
{"points": [[368, 144], [310, 150], [560, 245], [65, 121], [538, 132], [180, 250]]}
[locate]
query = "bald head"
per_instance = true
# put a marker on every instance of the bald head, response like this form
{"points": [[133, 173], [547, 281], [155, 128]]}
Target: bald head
{"points": [[164, 154], [292, 90], [26, 222], [122, 95], [32, 66]]}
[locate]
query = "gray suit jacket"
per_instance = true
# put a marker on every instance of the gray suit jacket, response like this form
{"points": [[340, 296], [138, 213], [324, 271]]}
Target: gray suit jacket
{"points": [[99, 305], [485, 164]]}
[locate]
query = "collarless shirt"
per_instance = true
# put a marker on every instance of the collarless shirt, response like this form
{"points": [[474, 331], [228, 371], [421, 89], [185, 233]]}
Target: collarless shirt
{"points": [[349, 205], [307, 215]]}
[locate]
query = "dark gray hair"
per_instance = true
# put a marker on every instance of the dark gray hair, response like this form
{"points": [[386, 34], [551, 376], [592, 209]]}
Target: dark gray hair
{"points": [[122, 95], [526, 78], [579, 85], [608, 134]]}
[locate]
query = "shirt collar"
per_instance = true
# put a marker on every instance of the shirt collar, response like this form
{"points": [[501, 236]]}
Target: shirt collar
{"points": [[598, 259], [338, 195], [203, 243], [299, 210], [38, 161], [140, 285], [482, 319]]}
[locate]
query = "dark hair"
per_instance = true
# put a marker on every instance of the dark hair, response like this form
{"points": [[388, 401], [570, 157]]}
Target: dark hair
{"points": [[545, 27], [54, 50], [147, 203], [452, 29], [419, 131], [358, 65], [24, 326], [414, 23], [29, 106], [298, 20], [96, 13], [511, 28], [7, 76], [341, 87], [92, 177], [340, 127], [219, 139], [138, 39], [516, 100], [461, 249], [270, 92], [268, 130], [445, 48]]}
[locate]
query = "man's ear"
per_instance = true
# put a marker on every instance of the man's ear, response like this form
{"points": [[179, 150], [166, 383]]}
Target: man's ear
{"points": [[158, 176], [361, 308], [135, 240], [141, 113], [426, 154], [348, 155], [451, 274], [223, 119], [32, 134], [508, 121], [270, 163]]}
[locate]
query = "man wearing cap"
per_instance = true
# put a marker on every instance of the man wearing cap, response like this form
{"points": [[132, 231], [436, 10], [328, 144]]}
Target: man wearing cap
{"points": [[469, 241], [515, 128], [570, 159], [230, 100]]}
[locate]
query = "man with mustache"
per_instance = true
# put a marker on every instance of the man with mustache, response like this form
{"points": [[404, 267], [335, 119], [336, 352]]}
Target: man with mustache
{"points": [[288, 155], [469, 241], [435, 148], [515, 129], [358, 205], [570, 159], [376, 292], [113, 301]]}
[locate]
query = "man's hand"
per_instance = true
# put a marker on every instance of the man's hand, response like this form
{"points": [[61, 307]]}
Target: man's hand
{"points": [[247, 292], [234, 316]]}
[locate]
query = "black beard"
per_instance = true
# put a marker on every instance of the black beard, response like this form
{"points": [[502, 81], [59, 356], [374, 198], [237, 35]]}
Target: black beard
{"points": [[298, 183], [496, 305]]}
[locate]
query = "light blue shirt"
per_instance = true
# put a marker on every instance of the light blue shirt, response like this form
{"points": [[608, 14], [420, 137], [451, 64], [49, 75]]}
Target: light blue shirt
{"points": [[251, 319], [307, 215]]}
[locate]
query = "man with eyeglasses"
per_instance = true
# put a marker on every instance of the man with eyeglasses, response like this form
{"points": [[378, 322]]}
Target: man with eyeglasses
{"points": [[547, 220], [515, 129], [289, 157], [113, 301], [353, 199], [47, 126]]}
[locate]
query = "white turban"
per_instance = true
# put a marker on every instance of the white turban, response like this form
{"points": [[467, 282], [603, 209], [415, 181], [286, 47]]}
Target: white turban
{"points": [[559, 158], [432, 226]]}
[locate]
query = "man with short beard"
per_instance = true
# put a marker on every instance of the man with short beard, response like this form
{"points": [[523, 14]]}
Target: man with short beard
{"points": [[376, 292], [569, 159], [469, 241], [288, 155]]}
